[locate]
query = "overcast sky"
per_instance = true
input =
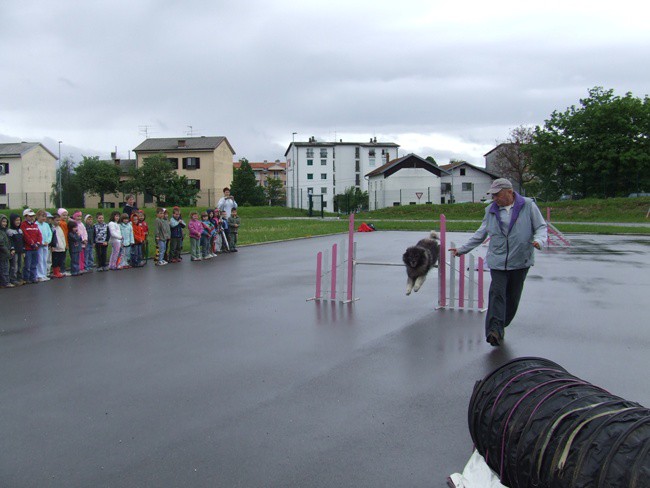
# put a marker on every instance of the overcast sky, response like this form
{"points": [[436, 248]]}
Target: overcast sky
{"points": [[446, 79]]}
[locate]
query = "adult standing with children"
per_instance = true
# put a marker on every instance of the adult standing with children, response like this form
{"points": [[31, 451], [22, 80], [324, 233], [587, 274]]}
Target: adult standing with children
{"points": [[516, 228], [226, 202], [129, 206]]}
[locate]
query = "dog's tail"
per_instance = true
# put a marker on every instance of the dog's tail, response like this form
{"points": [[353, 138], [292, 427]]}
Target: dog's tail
{"points": [[434, 235]]}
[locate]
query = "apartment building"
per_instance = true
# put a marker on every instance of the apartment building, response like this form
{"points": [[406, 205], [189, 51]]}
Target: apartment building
{"points": [[27, 174], [328, 168]]}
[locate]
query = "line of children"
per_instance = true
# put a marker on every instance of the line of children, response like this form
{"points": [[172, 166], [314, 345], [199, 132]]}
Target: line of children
{"points": [[29, 247]]}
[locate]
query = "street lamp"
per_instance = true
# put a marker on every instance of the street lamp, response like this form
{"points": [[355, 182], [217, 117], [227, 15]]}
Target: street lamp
{"points": [[295, 167], [59, 179]]}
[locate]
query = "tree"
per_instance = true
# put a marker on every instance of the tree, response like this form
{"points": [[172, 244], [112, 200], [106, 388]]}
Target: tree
{"points": [[431, 160], [274, 192], [71, 194], [97, 177], [244, 186], [181, 191], [599, 149], [154, 177], [352, 200], [513, 158]]}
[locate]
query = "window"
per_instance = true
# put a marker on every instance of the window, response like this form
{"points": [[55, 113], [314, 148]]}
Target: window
{"points": [[173, 162], [109, 204], [334, 181], [323, 162], [445, 187], [191, 163], [371, 153], [357, 166], [467, 187], [310, 190], [195, 183], [323, 190], [3, 188], [371, 161], [357, 180], [310, 176], [462, 171], [148, 198], [323, 152], [356, 152], [310, 162], [323, 176], [4, 168], [310, 152]]}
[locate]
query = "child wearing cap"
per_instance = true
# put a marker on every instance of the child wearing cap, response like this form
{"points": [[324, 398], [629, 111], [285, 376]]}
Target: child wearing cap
{"points": [[31, 242]]}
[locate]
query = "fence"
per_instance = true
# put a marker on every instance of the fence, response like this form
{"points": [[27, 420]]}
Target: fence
{"points": [[35, 199]]}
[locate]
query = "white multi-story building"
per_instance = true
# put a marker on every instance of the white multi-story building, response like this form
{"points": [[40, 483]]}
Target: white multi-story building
{"points": [[325, 169]]}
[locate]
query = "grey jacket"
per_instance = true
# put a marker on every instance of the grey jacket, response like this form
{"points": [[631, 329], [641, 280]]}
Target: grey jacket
{"points": [[511, 245]]}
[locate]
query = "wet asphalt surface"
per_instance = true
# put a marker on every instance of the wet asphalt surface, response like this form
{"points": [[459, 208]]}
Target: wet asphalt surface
{"points": [[221, 374]]}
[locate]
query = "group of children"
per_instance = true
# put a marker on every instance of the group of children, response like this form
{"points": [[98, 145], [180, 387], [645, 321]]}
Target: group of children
{"points": [[34, 250]]}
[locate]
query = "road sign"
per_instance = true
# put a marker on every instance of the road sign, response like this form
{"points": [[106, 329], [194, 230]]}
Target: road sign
{"points": [[419, 194]]}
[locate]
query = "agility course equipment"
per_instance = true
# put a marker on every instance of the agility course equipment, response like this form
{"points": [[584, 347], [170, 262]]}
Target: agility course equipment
{"points": [[537, 425], [555, 237], [459, 289]]}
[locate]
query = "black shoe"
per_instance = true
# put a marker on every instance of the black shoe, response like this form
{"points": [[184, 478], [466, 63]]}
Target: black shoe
{"points": [[494, 339]]}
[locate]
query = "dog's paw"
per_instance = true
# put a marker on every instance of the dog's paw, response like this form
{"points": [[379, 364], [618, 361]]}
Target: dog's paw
{"points": [[416, 288]]}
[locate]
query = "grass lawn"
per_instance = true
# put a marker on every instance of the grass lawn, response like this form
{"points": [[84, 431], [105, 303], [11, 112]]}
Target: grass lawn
{"points": [[268, 224]]}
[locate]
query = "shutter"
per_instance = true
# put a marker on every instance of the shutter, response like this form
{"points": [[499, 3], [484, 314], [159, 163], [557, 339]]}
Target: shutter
{"points": [[184, 163], [198, 162]]}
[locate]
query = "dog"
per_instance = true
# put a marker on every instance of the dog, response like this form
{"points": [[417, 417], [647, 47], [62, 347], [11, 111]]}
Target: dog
{"points": [[419, 259]]}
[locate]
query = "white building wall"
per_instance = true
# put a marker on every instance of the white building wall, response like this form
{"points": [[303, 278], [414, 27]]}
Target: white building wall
{"points": [[402, 188], [340, 170], [480, 183], [30, 178]]}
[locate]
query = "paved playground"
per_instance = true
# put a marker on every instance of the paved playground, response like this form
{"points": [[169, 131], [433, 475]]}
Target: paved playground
{"points": [[220, 374]]}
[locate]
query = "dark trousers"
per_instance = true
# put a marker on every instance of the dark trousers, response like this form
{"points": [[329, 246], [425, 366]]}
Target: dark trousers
{"points": [[136, 254], [29, 270], [58, 260], [101, 255], [505, 292], [175, 247], [4, 270], [74, 263], [16, 268]]}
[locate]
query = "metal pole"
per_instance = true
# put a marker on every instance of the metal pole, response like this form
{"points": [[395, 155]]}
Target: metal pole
{"points": [[59, 183], [295, 167], [442, 266]]}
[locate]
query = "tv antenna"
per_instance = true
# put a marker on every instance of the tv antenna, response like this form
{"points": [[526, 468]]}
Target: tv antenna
{"points": [[144, 129]]}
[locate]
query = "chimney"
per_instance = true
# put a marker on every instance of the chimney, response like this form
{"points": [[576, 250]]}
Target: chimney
{"points": [[114, 155], [182, 143]]}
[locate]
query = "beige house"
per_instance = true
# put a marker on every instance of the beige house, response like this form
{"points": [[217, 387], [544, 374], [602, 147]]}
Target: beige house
{"points": [[110, 200], [27, 173], [206, 161], [265, 170]]}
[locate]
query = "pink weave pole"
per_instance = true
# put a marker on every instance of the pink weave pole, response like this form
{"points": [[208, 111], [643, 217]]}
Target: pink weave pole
{"points": [[319, 274], [442, 266], [480, 283], [350, 256], [461, 281], [333, 286]]}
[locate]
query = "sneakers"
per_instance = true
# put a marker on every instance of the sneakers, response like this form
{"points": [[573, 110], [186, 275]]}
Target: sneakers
{"points": [[8, 285], [494, 339], [162, 263]]}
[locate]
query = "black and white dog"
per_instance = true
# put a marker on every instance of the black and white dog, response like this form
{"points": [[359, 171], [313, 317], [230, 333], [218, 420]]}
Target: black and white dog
{"points": [[419, 259]]}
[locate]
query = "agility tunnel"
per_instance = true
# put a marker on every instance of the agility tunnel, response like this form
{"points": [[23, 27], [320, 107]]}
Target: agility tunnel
{"points": [[539, 426]]}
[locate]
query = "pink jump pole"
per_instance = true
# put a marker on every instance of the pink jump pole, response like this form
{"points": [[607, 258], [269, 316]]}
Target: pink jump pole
{"points": [[333, 287], [480, 283], [319, 273], [350, 256], [461, 282], [442, 264]]}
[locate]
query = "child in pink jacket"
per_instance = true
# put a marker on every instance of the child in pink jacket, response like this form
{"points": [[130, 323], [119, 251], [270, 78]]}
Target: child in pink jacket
{"points": [[195, 228]]}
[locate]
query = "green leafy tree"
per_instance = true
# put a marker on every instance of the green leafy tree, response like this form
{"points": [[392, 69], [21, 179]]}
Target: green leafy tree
{"points": [[274, 192], [244, 186], [70, 194], [598, 149], [432, 160], [97, 177], [154, 177], [181, 191], [351, 200]]}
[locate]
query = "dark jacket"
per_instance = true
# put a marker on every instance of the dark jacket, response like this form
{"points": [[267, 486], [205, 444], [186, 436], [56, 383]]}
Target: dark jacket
{"points": [[16, 235], [74, 242], [177, 227], [5, 241]]}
